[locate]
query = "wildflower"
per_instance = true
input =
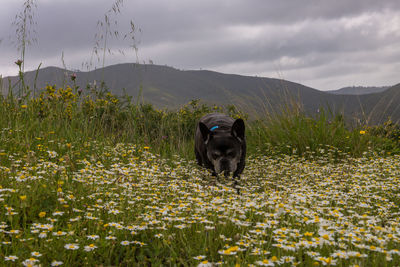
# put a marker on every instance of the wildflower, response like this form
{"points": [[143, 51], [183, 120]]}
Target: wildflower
{"points": [[42, 214], [158, 235], [90, 247], [24, 106], [18, 62], [362, 132], [205, 264], [265, 262], [114, 211], [125, 243], [22, 197], [43, 235], [327, 261], [52, 154], [59, 233], [30, 262], [71, 246], [10, 258], [36, 254], [200, 257], [229, 251], [180, 226], [93, 237], [56, 263]]}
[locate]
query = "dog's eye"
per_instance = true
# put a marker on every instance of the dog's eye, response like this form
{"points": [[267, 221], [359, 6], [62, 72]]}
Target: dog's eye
{"points": [[214, 155], [231, 154]]}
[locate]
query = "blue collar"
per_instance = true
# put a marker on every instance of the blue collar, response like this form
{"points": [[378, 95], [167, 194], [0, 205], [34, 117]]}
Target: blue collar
{"points": [[214, 127]]}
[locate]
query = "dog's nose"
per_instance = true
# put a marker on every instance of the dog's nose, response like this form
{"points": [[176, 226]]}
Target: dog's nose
{"points": [[224, 164]]}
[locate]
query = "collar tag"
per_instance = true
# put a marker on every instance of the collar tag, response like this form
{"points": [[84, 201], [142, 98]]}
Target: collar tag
{"points": [[214, 127]]}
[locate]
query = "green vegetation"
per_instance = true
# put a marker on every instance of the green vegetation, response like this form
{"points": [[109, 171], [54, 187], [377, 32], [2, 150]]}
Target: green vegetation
{"points": [[292, 132], [91, 179], [82, 183], [76, 116], [88, 178]]}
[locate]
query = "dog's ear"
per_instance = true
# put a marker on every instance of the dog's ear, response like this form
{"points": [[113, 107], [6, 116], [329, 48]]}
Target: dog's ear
{"points": [[238, 129], [205, 132]]}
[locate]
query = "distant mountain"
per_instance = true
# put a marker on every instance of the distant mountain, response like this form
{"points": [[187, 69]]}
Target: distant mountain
{"points": [[167, 87], [359, 90]]}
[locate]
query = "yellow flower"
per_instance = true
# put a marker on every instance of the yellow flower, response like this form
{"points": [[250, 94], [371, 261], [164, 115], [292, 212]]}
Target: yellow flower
{"points": [[22, 197], [229, 251], [42, 214], [24, 106], [308, 234], [362, 132], [327, 260]]}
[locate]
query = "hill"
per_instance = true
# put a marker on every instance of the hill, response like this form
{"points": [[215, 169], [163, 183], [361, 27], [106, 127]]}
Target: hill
{"points": [[359, 90], [167, 87]]}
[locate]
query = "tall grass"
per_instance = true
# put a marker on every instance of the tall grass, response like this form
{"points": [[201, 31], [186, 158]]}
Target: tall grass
{"points": [[293, 132], [24, 24], [76, 116]]}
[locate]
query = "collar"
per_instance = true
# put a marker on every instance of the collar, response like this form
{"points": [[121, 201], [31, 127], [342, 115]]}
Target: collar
{"points": [[214, 128]]}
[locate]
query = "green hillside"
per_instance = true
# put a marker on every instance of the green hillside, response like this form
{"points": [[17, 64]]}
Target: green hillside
{"points": [[167, 87]]}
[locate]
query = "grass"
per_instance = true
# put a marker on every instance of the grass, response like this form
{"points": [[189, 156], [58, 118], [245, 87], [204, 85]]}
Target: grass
{"points": [[119, 204], [77, 115], [88, 178]]}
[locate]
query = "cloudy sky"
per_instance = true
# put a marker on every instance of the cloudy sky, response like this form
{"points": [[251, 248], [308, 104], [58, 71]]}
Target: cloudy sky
{"points": [[322, 44]]}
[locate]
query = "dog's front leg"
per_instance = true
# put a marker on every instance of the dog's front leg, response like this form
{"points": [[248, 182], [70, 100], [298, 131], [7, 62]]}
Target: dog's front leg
{"points": [[214, 174], [236, 178]]}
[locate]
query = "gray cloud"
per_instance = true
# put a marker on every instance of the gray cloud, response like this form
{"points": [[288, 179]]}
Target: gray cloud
{"points": [[323, 44]]}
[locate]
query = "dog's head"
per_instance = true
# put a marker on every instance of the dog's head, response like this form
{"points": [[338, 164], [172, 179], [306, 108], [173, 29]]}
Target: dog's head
{"points": [[224, 148]]}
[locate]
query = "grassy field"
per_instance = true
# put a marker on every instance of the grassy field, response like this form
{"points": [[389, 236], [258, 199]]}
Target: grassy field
{"points": [[122, 205], [93, 179]]}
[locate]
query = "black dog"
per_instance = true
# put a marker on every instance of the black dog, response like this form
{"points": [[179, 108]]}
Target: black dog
{"points": [[220, 144]]}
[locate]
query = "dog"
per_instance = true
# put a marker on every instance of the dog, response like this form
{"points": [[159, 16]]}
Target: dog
{"points": [[220, 144]]}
